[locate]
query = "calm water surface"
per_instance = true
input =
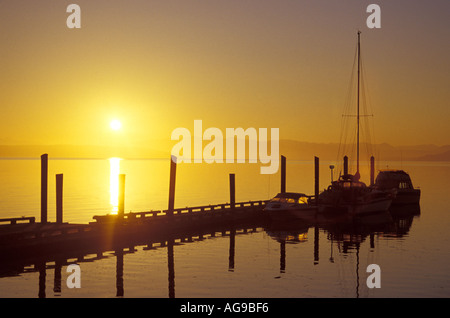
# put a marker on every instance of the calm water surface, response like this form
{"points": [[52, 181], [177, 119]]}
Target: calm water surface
{"points": [[411, 248]]}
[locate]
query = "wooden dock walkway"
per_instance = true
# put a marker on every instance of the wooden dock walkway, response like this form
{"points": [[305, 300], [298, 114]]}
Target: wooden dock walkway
{"points": [[206, 213], [23, 237]]}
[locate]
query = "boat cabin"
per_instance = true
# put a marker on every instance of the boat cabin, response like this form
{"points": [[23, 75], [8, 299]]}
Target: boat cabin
{"points": [[393, 179], [348, 181]]}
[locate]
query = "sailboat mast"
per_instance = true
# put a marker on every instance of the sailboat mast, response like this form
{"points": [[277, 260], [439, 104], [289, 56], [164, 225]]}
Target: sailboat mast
{"points": [[357, 116]]}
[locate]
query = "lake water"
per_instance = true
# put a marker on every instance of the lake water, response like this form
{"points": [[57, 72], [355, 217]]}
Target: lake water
{"points": [[412, 249]]}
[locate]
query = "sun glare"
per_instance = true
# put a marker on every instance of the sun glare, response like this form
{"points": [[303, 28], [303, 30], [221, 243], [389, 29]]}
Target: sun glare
{"points": [[115, 124]]}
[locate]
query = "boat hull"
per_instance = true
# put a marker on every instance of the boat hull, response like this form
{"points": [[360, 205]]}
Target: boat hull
{"points": [[407, 197], [371, 207], [303, 213], [375, 206]]}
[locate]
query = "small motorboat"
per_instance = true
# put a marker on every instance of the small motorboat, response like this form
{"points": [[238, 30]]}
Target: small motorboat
{"points": [[290, 205], [400, 182]]}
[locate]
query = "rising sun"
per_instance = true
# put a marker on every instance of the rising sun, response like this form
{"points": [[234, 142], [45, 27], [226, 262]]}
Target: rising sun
{"points": [[115, 124]]}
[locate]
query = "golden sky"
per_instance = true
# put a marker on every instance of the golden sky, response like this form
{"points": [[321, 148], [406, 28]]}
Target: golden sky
{"points": [[158, 65]]}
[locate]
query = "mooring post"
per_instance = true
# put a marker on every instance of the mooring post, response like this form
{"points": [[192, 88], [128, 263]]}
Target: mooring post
{"points": [[173, 171], [316, 179], [44, 187], [372, 170], [232, 190], [59, 198], [331, 171], [345, 165], [283, 174], [121, 203]]}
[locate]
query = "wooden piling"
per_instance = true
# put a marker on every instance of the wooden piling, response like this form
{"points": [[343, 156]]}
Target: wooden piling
{"points": [[345, 165], [283, 174], [173, 171], [121, 205], [44, 187], [59, 198], [232, 190], [316, 179], [372, 170]]}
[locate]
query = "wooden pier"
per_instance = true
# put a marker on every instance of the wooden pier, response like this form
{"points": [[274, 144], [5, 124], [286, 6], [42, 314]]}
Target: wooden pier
{"points": [[32, 239], [21, 240]]}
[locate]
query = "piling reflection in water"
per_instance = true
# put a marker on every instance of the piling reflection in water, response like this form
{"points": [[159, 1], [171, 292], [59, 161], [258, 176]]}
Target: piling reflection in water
{"points": [[231, 250], [57, 278], [119, 273], [171, 268], [42, 276], [344, 230]]}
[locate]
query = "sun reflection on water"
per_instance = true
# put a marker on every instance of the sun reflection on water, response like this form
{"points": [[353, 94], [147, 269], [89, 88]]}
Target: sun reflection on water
{"points": [[114, 164]]}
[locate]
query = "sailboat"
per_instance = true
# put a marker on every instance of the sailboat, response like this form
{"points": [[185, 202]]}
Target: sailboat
{"points": [[348, 193]]}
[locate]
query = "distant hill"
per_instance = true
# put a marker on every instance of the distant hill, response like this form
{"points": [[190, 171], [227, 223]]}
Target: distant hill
{"points": [[445, 156], [292, 149], [76, 151], [298, 150]]}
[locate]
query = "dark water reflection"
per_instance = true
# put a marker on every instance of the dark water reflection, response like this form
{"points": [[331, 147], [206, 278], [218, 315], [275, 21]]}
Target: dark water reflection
{"points": [[342, 231], [347, 232]]}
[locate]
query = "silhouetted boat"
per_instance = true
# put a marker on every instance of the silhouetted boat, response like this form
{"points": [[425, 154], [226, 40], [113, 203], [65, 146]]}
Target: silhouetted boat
{"points": [[353, 196], [348, 193], [400, 182], [290, 205]]}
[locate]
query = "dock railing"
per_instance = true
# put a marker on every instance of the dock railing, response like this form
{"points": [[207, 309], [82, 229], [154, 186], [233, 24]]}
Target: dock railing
{"points": [[216, 208], [24, 219]]}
